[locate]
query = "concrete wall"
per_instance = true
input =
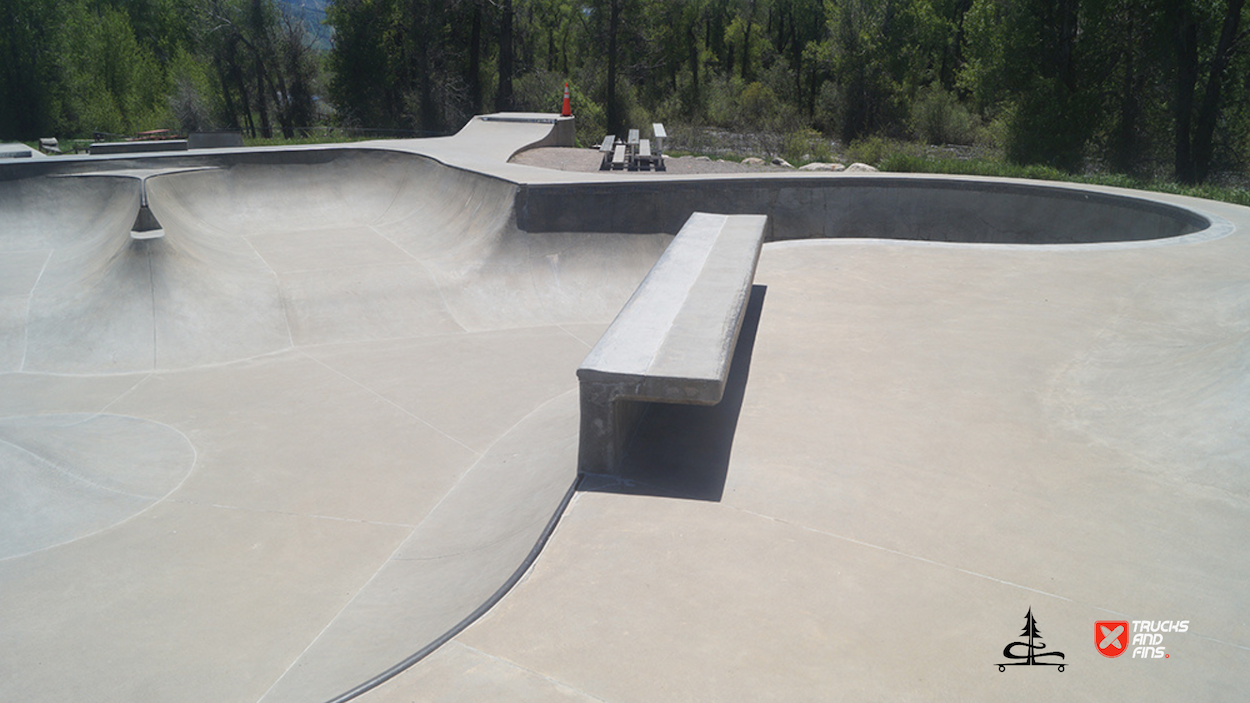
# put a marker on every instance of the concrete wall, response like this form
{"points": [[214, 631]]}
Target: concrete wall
{"points": [[137, 147], [799, 207], [215, 140], [888, 207]]}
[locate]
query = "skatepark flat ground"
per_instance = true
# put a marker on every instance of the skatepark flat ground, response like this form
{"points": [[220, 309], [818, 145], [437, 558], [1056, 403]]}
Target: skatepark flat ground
{"points": [[279, 492]]}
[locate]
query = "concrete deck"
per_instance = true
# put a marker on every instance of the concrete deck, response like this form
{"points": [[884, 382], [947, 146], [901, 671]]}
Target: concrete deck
{"points": [[332, 412]]}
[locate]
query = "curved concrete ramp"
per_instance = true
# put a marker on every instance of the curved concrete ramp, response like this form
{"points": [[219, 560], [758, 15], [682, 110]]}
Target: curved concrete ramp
{"points": [[260, 256], [318, 423]]}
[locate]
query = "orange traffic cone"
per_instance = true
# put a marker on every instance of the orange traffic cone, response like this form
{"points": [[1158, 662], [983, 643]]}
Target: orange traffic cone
{"points": [[567, 109]]}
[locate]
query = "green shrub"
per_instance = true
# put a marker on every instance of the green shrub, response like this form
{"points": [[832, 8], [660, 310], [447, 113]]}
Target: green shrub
{"points": [[870, 150], [902, 162], [720, 99], [937, 117], [828, 114], [1049, 126], [758, 106], [805, 146], [994, 133]]}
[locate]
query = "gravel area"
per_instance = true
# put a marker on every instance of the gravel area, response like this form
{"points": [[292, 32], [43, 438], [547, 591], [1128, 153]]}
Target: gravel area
{"points": [[571, 159]]}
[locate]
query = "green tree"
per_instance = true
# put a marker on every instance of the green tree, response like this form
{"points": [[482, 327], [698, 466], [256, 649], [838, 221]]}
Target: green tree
{"points": [[360, 62], [882, 52], [1210, 31], [114, 84], [32, 43], [1026, 61], [264, 64]]}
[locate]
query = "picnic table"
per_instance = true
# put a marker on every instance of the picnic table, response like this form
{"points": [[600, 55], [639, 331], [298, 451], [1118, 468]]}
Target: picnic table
{"points": [[634, 153]]}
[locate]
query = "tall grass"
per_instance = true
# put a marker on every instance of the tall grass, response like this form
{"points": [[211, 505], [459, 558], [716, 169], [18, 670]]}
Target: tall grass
{"points": [[316, 136], [903, 162]]}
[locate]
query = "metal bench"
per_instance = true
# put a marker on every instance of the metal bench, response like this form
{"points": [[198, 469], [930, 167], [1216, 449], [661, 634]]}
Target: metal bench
{"points": [[642, 157], [646, 160], [619, 158], [674, 340], [607, 148]]}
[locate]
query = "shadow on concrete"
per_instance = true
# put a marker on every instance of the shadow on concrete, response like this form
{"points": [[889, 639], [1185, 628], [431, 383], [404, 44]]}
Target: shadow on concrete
{"points": [[682, 451]]}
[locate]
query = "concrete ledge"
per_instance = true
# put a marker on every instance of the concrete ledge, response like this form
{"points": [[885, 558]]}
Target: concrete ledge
{"points": [[215, 140], [15, 151], [673, 341], [563, 129], [138, 147]]}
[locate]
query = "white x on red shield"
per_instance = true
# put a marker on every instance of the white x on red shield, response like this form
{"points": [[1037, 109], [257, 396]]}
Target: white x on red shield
{"points": [[1111, 637]]}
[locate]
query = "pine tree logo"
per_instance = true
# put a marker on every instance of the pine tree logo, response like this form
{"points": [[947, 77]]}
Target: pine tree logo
{"points": [[1032, 646]]}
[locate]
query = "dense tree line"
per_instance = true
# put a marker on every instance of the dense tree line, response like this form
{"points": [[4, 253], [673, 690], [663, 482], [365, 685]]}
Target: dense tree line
{"points": [[78, 67], [1139, 85]]}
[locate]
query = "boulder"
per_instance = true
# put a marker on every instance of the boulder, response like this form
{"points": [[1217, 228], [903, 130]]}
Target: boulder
{"points": [[752, 161], [778, 161], [860, 168], [820, 166]]}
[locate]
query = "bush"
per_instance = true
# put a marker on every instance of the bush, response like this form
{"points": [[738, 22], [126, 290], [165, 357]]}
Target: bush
{"points": [[758, 107], [902, 162], [871, 151], [720, 99], [804, 146], [1049, 126], [937, 117]]}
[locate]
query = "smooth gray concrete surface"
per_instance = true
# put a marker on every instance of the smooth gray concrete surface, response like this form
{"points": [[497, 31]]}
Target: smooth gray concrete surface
{"points": [[934, 439], [274, 452], [673, 340], [17, 151], [254, 459]]}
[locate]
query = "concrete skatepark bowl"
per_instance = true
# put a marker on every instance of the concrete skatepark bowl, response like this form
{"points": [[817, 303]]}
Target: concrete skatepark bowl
{"points": [[319, 427]]}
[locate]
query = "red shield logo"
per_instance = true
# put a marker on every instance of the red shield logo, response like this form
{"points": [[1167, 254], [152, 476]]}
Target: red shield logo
{"points": [[1111, 637]]}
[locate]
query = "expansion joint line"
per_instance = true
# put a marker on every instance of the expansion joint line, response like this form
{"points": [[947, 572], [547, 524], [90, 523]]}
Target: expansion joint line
{"points": [[545, 677], [390, 402], [152, 288], [926, 560], [29, 301]]}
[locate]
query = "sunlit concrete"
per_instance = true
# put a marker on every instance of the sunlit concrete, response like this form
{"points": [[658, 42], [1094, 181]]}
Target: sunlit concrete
{"points": [[331, 412]]}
